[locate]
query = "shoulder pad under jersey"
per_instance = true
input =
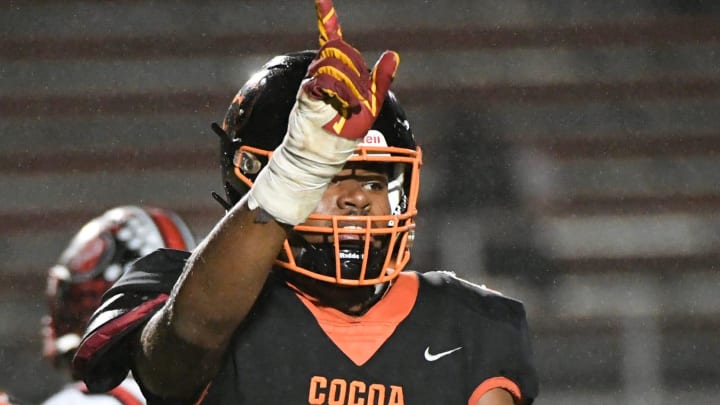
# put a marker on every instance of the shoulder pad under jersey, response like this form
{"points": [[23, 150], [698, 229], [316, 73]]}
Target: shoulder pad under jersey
{"points": [[473, 295], [102, 359]]}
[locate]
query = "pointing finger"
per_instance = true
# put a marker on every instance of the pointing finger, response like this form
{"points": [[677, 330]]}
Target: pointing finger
{"points": [[328, 24]]}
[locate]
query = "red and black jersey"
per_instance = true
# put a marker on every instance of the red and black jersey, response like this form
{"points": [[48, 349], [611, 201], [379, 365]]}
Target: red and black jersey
{"points": [[433, 338]]}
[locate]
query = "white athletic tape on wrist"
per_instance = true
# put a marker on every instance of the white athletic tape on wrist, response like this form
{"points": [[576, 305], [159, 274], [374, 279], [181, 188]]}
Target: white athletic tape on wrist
{"points": [[292, 184]]}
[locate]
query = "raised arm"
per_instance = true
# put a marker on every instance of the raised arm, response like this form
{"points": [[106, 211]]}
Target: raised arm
{"points": [[181, 348]]}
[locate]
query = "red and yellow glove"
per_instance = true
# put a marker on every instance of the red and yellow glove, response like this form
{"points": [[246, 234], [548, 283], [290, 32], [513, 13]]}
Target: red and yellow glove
{"points": [[337, 103], [340, 77]]}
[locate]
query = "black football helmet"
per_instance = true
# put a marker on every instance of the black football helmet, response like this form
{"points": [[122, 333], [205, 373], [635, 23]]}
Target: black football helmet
{"points": [[256, 123], [93, 260]]}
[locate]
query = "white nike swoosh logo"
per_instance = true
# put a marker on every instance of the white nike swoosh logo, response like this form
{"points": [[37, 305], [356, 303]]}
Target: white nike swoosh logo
{"points": [[432, 357]]}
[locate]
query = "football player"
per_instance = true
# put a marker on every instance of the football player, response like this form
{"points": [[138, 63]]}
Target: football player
{"points": [[299, 294], [94, 259]]}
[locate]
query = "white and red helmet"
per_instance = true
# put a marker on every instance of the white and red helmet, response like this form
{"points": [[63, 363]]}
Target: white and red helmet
{"points": [[95, 258]]}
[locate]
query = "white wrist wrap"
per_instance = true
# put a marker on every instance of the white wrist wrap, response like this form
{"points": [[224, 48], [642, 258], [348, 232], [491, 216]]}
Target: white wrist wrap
{"points": [[292, 184]]}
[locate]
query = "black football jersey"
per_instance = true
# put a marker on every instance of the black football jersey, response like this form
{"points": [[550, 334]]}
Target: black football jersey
{"points": [[433, 339]]}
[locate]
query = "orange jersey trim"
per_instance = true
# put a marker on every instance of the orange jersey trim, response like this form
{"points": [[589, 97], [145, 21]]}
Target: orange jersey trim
{"points": [[360, 337], [492, 383]]}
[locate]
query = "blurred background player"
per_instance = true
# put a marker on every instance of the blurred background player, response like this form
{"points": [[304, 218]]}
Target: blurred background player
{"points": [[95, 258]]}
